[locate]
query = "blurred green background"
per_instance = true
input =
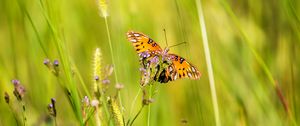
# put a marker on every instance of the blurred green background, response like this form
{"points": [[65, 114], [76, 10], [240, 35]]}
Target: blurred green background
{"points": [[239, 34]]}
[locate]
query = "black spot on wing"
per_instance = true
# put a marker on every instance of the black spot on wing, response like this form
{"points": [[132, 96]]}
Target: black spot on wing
{"points": [[181, 60], [154, 44], [176, 58], [150, 41]]}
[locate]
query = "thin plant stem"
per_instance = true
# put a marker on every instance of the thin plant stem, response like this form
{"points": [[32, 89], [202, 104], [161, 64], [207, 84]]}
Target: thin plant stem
{"points": [[18, 122], [23, 8], [70, 86], [104, 107], [23, 113], [77, 73], [137, 115], [149, 106], [208, 63], [134, 101], [112, 58]]}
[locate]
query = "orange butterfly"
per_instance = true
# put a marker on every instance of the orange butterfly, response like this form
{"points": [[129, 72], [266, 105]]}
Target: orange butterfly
{"points": [[158, 64]]}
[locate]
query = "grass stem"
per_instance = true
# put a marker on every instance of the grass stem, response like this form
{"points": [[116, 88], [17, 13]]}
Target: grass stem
{"points": [[137, 115], [134, 101], [208, 63], [23, 113], [112, 58]]}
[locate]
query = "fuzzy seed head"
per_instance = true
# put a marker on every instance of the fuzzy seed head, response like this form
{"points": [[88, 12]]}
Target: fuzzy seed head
{"points": [[116, 112], [97, 67], [103, 8]]}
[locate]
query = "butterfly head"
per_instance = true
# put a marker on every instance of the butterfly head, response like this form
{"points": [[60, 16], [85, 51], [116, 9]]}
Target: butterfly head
{"points": [[166, 50], [164, 53]]}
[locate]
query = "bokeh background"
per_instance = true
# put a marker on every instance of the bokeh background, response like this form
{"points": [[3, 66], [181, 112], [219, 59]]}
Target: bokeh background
{"points": [[254, 46]]}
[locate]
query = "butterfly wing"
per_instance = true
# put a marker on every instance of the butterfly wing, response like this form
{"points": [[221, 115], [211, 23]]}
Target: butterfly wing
{"points": [[179, 68], [142, 43]]}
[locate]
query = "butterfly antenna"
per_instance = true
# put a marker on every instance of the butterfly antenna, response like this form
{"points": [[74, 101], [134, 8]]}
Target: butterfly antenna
{"points": [[166, 37], [178, 44]]}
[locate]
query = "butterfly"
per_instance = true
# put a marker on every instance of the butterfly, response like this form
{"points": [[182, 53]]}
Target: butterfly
{"points": [[157, 64]]}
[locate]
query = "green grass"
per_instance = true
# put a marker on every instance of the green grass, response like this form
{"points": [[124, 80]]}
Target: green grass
{"points": [[254, 51]]}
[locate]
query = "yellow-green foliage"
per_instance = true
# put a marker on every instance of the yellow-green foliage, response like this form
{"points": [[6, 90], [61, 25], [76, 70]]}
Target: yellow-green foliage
{"points": [[254, 49]]}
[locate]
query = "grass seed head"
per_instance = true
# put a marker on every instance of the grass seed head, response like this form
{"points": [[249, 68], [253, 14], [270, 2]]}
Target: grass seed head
{"points": [[47, 63], [103, 8], [52, 107], [19, 90], [97, 60], [116, 111]]}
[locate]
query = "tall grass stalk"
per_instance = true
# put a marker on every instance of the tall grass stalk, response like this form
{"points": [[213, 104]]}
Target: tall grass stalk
{"points": [[111, 48], [103, 9], [23, 9], [70, 85], [258, 58], [261, 62], [208, 63], [83, 84]]}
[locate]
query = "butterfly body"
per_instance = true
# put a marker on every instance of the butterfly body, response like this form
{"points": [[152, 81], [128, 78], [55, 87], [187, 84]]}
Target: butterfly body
{"points": [[157, 64]]}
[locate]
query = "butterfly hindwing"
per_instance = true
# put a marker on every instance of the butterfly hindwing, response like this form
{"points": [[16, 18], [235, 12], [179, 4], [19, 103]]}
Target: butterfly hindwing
{"points": [[142, 43], [180, 68]]}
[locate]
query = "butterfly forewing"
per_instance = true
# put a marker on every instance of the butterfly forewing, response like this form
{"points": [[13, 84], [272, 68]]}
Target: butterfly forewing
{"points": [[142, 43]]}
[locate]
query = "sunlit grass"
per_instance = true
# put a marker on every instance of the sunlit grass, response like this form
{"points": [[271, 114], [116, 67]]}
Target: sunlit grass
{"points": [[253, 47]]}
